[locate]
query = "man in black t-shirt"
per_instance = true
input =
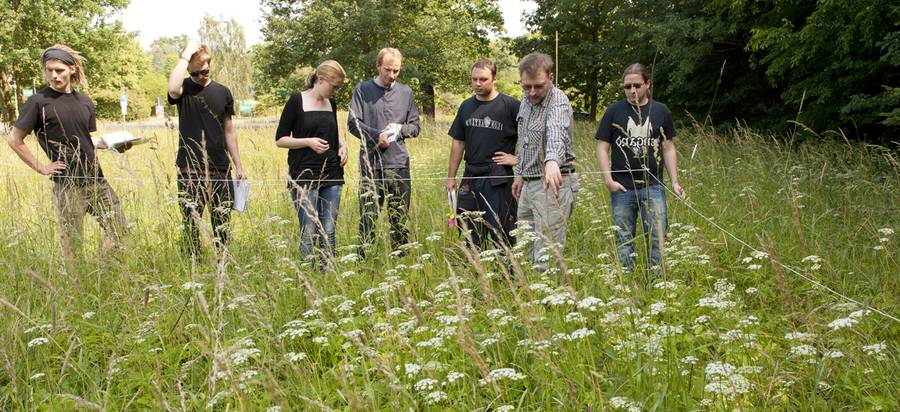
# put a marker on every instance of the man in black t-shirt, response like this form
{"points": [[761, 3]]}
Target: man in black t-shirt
{"points": [[484, 130], [640, 132], [207, 146], [63, 119]]}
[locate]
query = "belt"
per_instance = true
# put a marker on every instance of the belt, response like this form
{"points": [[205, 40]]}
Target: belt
{"points": [[563, 171]]}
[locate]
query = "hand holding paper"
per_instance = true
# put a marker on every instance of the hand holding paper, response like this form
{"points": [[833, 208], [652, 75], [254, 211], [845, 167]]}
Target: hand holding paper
{"points": [[120, 141]]}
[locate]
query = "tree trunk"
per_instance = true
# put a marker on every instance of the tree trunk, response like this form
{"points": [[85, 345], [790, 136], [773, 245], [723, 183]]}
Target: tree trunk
{"points": [[593, 95], [428, 99], [7, 102]]}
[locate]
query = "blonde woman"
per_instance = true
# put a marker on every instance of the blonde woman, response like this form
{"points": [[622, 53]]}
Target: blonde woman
{"points": [[316, 158]]}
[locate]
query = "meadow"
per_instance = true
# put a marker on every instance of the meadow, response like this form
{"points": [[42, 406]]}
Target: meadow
{"points": [[735, 321]]}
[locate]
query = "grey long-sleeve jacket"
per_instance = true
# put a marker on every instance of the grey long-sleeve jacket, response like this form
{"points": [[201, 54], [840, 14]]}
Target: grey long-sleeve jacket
{"points": [[372, 108]]}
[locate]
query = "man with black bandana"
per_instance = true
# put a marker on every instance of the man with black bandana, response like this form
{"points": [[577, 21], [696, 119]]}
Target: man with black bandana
{"points": [[207, 146], [63, 119]]}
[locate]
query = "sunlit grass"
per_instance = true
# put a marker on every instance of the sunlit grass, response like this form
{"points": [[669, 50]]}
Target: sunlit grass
{"points": [[723, 328]]}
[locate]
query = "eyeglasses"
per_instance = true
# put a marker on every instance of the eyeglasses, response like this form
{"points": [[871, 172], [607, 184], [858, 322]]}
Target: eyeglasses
{"points": [[629, 86], [529, 87], [204, 72]]}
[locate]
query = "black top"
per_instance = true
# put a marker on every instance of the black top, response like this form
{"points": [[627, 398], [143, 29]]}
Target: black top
{"points": [[636, 140], [201, 122], [305, 166], [486, 127], [63, 123]]}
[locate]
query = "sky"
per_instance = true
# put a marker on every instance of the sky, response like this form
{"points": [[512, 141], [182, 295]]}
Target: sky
{"points": [[164, 18]]}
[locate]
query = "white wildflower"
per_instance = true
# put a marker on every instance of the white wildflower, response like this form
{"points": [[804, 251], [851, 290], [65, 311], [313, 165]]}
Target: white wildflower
{"points": [[502, 374], [240, 356], [623, 403], [435, 397], [454, 376], [590, 303], [426, 384], [804, 350], [877, 350], [724, 379], [37, 342], [192, 286], [800, 336], [295, 356]]}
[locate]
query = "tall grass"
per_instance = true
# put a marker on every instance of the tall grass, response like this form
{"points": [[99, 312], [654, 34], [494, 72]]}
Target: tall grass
{"points": [[447, 328]]}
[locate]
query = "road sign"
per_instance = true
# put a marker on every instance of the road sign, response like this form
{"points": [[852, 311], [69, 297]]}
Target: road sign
{"points": [[123, 103]]}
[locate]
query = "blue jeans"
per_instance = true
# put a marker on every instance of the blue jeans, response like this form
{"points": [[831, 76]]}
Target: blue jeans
{"points": [[650, 201], [317, 211]]}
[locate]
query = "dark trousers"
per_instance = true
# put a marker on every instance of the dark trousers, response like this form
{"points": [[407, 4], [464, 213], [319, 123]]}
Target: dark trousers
{"points": [[195, 193], [390, 187], [493, 197]]}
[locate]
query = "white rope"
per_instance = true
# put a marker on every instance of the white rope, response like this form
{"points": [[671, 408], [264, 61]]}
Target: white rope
{"points": [[265, 182], [789, 269]]}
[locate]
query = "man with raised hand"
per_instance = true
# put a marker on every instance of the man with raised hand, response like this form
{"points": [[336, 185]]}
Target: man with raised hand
{"points": [[62, 119], [545, 182], [383, 115], [207, 146], [639, 130], [484, 131]]}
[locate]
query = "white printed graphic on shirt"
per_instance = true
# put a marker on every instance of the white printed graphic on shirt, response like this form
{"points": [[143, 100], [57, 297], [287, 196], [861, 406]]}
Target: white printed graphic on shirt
{"points": [[486, 123], [638, 139]]}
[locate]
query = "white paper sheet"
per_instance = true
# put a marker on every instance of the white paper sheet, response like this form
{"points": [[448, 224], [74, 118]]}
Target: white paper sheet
{"points": [[241, 194]]}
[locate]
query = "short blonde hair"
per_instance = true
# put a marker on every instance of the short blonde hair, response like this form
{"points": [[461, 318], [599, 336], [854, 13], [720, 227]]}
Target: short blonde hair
{"points": [[78, 78], [330, 70], [385, 52]]}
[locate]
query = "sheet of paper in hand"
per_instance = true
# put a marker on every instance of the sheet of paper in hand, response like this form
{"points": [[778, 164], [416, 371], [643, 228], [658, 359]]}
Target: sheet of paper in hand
{"points": [[394, 131], [118, 140], [241, 194]]}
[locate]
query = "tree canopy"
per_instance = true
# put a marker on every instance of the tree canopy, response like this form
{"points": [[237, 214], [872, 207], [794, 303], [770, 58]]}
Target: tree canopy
{"points": [[439, 39]]}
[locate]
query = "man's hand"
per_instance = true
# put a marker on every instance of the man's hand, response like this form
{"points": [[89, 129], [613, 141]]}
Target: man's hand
{"points": [[678, 190], [552, 176], [239, 173], [518, 182], [189, 49], [450, 184], [53, 168], [383, 140], [318, 145], [342, 154], [615, 186], [504, 159]]}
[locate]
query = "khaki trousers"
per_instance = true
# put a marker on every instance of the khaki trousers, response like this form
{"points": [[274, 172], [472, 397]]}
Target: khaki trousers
{"points": [[548, 214], [96, 197]]}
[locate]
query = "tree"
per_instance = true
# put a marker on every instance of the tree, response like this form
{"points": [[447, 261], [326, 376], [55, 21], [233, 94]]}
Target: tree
{"points": [[584, 29], [836, 60], [30, 26], [232, 64], [439, 40], [164, 52]]}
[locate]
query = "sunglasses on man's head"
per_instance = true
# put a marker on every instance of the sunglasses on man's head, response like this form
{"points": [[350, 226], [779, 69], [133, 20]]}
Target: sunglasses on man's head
{"points": [[203, 72], [629, 86]]}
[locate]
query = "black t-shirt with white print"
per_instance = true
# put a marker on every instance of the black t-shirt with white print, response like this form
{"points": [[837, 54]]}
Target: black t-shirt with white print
{"points": [[636, 139], [63, 123], [201, 122], [486, 127]]}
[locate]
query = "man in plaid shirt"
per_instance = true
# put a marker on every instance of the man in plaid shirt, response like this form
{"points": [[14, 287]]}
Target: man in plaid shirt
{"points": [[545, 183]]}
